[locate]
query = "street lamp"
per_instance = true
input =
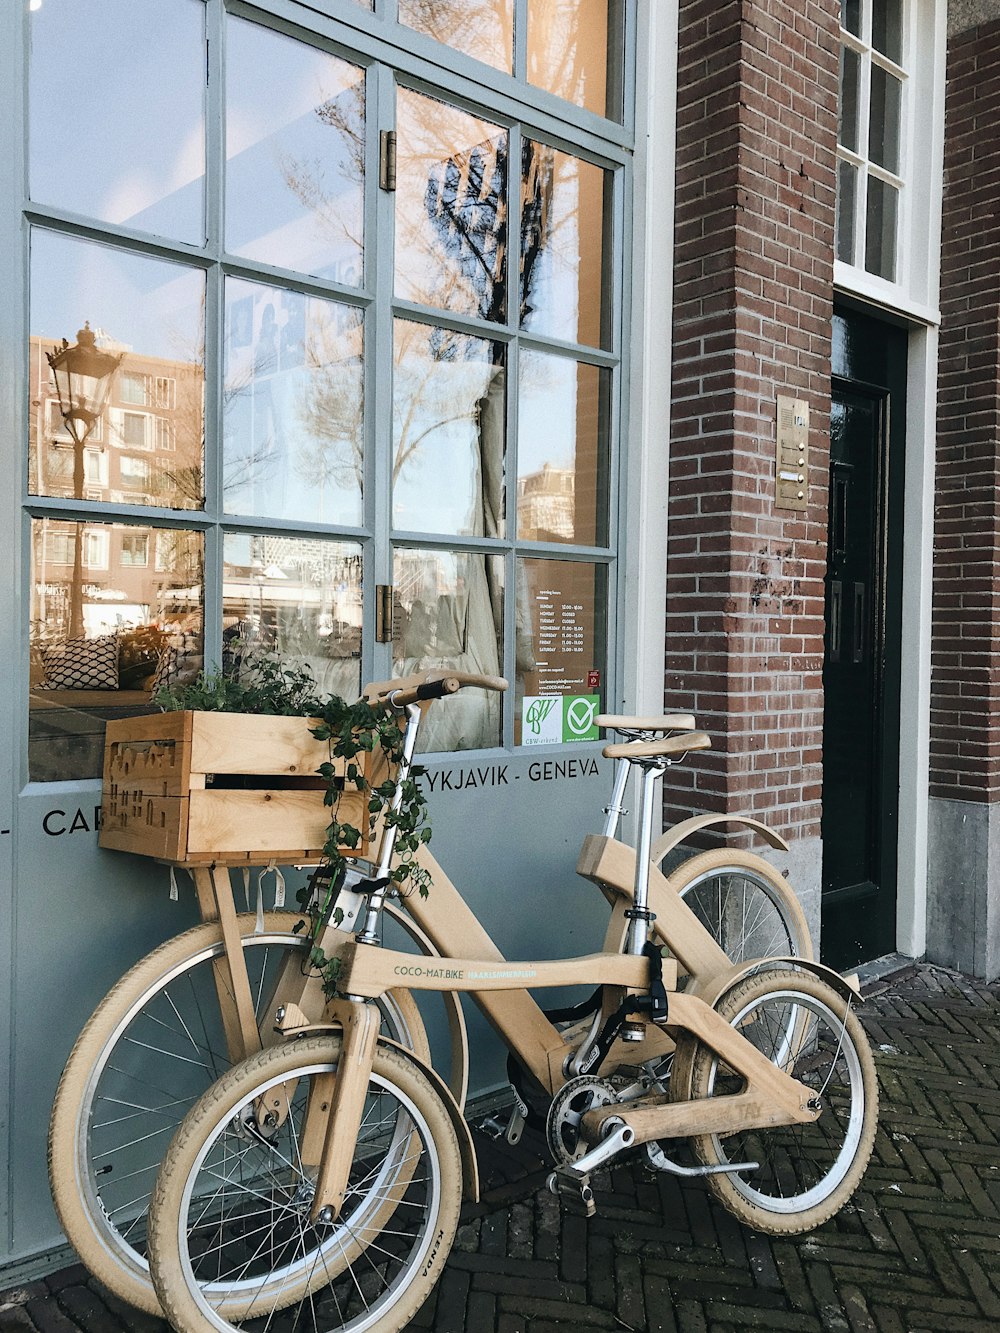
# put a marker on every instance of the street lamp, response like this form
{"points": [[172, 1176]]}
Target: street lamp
{"points": [[83, 375]]}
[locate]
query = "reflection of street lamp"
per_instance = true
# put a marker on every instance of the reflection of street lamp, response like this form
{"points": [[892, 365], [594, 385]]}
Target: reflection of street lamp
{"points": [[83, 375]]}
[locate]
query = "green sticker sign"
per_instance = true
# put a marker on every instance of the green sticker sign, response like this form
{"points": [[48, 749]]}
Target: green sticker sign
{"points": [[557, 719]]}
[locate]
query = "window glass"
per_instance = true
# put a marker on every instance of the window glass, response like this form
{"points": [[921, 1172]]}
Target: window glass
{"points": [[883, 123], [574, 51], [562, 450], [294, 405], [887, 28], [850, 69], [564, 279], [299, 597], [448, 611], [847, 185], [107, 629], [850, 16], [448, 432], [295, 138], [451, 208], [117, 116], [146, 317], [483, 29], [880, 233], [561, 650]]}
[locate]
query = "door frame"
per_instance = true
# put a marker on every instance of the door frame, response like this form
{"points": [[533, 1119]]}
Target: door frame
{"points": [[915, 639]]}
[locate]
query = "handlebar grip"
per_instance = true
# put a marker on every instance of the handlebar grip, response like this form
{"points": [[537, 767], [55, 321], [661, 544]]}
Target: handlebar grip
{"points": [[437, 689]]}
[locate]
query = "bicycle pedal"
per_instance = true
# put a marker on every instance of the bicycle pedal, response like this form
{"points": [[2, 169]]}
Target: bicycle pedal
{"points": [[573, 1191], [492, 1127]]}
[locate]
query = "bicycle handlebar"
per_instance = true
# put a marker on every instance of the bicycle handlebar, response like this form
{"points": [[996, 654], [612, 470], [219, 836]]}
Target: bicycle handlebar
{"points": [[427, 685]]}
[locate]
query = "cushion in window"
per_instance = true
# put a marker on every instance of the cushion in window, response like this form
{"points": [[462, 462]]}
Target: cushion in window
{"points": [[166, 670], [82, 664]]}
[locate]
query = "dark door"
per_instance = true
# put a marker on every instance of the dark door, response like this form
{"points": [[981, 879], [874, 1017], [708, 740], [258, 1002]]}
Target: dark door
{"points": [[861, 661]]}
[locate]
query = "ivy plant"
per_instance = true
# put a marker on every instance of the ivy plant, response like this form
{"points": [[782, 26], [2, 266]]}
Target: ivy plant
{"points": [[359, 736]]}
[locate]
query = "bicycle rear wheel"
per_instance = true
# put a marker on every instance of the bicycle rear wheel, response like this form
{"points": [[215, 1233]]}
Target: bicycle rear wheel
{"points": [[149, 1051], [747, 907], [231, 1242], [804, 1173]]}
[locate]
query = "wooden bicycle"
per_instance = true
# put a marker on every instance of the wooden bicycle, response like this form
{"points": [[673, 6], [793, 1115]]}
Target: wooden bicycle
{"points": [[318, 1184], [205, 1000]]}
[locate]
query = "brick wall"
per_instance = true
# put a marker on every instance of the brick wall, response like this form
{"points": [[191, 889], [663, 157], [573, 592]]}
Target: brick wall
{"points": [[965, 728], [757, 124]]}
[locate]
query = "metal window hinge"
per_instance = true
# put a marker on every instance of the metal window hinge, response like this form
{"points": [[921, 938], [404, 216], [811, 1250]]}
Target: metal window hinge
{"points": [[387, 160], [383, 613]]}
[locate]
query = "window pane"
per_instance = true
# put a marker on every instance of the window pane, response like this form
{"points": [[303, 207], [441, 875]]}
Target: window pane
{"points": [[107, 628], [847, 185], [561, 649], [448, 612], [295, 142], [294, 405], [562, 450], [151, 314], [451, 208], [850, 72], [570, 46], [850, 16], [299, 597], [448, 432], [563, 254], [887, 28], [880, 234], [483, 29], [117, 118], [883, 125]]}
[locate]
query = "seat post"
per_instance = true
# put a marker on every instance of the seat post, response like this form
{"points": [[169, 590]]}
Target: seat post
{"points": [[640, 917], [614, 809]]}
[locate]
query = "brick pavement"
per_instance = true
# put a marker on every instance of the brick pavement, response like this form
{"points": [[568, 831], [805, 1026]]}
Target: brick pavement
{"points": [[916, 1251]]}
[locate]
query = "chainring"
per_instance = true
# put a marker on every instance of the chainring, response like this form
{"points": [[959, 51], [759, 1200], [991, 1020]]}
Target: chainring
{"points": [[570, 1104]]}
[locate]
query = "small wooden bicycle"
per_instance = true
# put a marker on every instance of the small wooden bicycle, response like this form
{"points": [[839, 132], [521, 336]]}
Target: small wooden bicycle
{"points": [[317, 1185]]}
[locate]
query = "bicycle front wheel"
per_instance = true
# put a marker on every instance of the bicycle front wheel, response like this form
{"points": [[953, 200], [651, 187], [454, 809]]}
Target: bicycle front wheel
{"points": [[231, 1242], [804, 1173], [149, 1051]]}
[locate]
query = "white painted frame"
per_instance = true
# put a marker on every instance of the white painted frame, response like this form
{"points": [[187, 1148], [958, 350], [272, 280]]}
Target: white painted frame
{"points": [[916, 298]]}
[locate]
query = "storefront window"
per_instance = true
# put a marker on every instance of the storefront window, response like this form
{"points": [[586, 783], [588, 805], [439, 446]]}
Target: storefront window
{"points": [[117, 113], [297, 598], [306, 322], [574, 51], [293, 440], [106, 631]]}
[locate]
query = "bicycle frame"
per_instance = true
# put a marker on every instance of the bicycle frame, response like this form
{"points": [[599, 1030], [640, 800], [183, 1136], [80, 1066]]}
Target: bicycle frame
{"points": [[770, 1097]]}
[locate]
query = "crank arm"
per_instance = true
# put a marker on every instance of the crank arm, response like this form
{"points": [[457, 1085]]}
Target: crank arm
{"points": [[619, 1138]]}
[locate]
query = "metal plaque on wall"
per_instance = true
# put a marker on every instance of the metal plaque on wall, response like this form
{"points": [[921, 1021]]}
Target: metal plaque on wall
{"points": [[792, 463]]}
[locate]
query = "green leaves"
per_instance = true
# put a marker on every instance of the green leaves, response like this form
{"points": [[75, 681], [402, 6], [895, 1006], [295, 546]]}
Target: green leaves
{"points": [[355, 731]]}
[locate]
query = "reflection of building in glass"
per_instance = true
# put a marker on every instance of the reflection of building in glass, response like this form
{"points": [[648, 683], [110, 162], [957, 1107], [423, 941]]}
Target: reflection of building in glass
{"points": [[300, 596], [130, 576], [144, 449], [545, 505]]}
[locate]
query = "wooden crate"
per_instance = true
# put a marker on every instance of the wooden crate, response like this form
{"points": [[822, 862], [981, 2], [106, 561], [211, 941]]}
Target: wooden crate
{"points": [[198, 788]]}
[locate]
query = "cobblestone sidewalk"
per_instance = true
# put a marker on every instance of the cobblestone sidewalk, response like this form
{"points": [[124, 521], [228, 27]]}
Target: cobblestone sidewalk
{"points": [[917, 1250]]}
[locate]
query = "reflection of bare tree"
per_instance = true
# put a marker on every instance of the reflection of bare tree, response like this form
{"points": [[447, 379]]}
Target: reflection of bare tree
{"points": [[332, 409], [310, 181], [568, 52], [481, 28]]}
